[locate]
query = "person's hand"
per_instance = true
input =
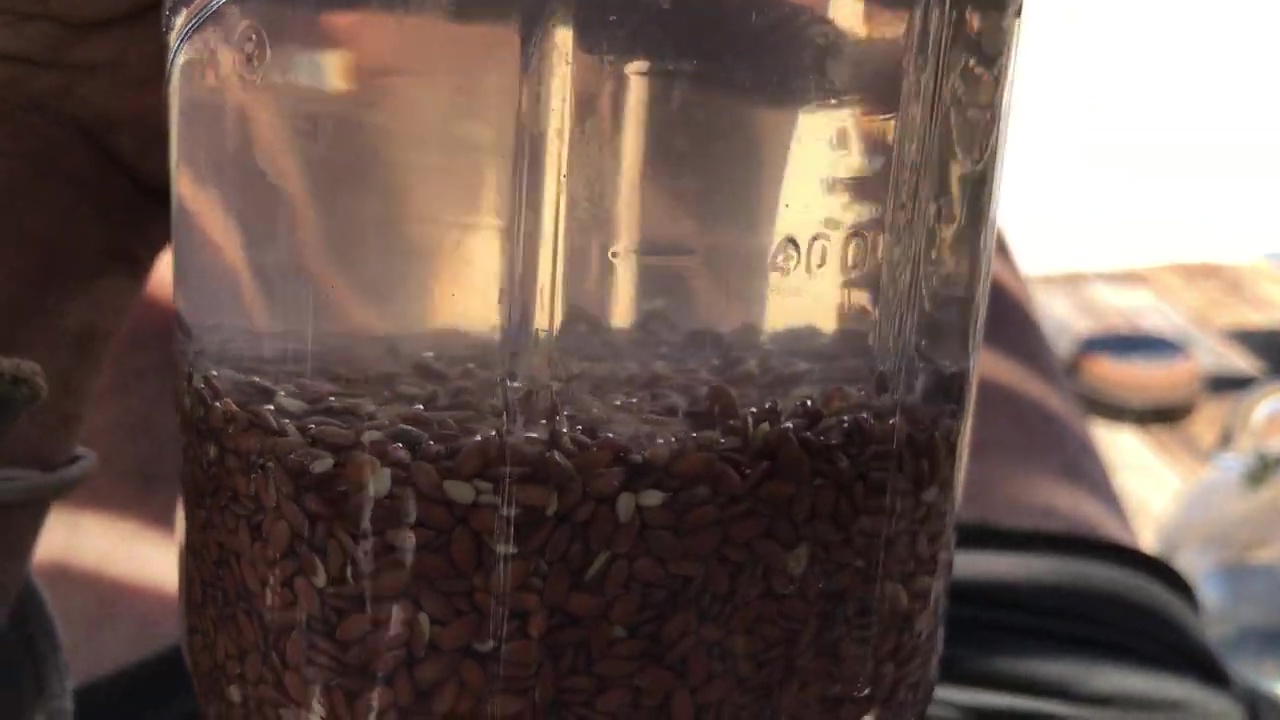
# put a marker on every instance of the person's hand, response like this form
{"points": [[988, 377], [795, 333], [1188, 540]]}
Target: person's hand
{"points": [[82, 196]]}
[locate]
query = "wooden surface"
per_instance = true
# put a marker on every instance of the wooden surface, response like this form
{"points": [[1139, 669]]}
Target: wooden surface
{"points": [[1228, 315]]}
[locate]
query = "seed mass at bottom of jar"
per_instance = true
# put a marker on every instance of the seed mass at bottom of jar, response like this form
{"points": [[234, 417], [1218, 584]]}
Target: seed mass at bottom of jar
{"points": [[375, 547]]}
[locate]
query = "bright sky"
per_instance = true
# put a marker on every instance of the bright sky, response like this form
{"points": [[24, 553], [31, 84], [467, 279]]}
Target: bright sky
{"points": [[1144, 132]]}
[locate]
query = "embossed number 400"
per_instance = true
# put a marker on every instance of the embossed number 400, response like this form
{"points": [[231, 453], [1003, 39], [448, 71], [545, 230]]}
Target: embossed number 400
{"points": [[790, 255]]}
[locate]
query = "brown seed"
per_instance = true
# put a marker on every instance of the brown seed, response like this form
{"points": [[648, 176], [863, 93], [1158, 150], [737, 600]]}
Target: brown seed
{"points": [[296, 687], [777, 491], [294, 515], [305, 593], [615, 582], [279, 537], [436, 517], [432, 670], [435, 605], [463, 550], [333, 436], [539, 620], [699, 517], [593, 460], [295, 649], [584, 605], [703, 543], [425, 478], [356, 626], [712, 692], [606, 484], [603, 524], [615, 668], [723, 403], [471, 459], [508, 705], [660, 517], [625, 609], [748, 528], [472, 675], [648, 570], [390, 582], [693, 466], [614, 700], [314, 571], [523, 652], [483, 520], [625, 538], [402, 687], [556, 591], [457, 634], [508, 576], [662, 544], [253, 666], [434, 567], [533, 496], [444, 696], [793, 465], [684, 575], [558, 543]]}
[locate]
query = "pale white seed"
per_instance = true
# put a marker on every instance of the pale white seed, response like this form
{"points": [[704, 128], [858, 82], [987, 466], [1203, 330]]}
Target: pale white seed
{"points": [[553, 505], [317, 711], [798, 560], [317, 575], [484, 487], [651, 498], [408, 506], [293, 406], [484, 646], [757, 435], [459, 492], [506, 549], [597, 565], [372, 436], [625, 507], [380, 483], [234, 694], [619, 632], [488, 499], [424, 626], [321, 466]]}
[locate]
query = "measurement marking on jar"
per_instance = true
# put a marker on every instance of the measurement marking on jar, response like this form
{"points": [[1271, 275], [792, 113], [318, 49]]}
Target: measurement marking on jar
{"points": [[790, 255]]}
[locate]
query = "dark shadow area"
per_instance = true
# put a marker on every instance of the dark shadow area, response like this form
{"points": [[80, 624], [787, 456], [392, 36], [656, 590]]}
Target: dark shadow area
{"points": [[1263, 343], [100, 616], [1170, 416], [1221, 384]]}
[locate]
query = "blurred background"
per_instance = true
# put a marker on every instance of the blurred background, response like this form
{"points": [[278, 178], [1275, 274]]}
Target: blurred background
{"points": [[1138, 193], [1143, 133]]}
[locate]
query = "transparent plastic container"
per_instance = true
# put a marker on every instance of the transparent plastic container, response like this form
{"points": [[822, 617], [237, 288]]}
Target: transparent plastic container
{"points": [[594, 360]]}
